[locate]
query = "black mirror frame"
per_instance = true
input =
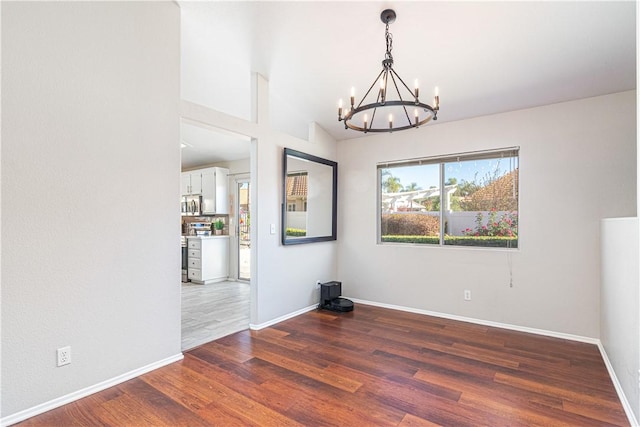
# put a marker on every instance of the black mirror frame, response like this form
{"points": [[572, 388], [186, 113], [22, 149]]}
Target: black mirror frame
{"points": [[334, 198]]}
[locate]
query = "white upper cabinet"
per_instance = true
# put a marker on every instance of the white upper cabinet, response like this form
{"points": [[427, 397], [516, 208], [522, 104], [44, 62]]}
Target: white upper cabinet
{"points": [[191, 183], [215, 191]]}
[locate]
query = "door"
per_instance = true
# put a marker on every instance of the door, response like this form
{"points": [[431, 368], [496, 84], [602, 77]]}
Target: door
{"points": [[243, 201]]}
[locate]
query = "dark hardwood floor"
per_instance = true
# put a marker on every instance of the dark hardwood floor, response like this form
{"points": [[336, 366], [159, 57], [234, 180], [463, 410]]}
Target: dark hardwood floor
{"points": [[370, 367]]}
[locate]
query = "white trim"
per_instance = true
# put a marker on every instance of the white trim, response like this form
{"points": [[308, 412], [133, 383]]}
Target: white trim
{"points": [[255, 327], [535, 331], [79, 394], [623, 399]]}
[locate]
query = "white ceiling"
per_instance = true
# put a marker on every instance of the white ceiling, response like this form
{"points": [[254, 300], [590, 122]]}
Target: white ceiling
{"points": [[204, 146], [485, 57]]}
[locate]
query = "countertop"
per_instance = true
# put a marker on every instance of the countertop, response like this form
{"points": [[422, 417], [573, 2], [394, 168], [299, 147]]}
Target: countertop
{"points": [[222, 236]]}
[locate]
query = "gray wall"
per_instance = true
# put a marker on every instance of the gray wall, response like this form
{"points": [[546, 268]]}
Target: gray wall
{"points": [[90, 179], [620, 297], [577, 166]]}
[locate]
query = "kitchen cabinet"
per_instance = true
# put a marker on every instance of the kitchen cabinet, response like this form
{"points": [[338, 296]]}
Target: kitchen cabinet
{"points": [[215, 191], [191, 183], [208, 259]]}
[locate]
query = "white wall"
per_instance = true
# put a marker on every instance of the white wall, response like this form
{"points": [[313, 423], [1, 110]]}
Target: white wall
{"points": [[287, 274], [216, 73], [619, 304], [575, 157], [90, 177]]}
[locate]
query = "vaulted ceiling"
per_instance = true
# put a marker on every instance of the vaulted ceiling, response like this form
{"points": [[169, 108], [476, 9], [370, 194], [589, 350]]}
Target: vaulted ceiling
{"points": [[485, 57]]}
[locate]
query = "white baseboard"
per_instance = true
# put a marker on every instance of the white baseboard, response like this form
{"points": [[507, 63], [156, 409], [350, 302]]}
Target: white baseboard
{"points": [[535, 331], [255, 327], [76, 395], [618, 387]]}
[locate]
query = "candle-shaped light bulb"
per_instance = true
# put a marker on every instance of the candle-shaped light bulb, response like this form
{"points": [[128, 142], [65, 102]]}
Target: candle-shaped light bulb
{"points": [[382, 88], [365, 121], [416, 89], [436, 101], [353, 96], [340, 109], [390, 121], [415, 114]]}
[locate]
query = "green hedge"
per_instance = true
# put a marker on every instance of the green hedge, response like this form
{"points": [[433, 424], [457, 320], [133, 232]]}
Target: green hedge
{"points": [[428, 240], [484, 241], [296, 232]]}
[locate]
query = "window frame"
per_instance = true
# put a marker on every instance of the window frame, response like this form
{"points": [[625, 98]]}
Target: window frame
{"points": [[441, 161]]}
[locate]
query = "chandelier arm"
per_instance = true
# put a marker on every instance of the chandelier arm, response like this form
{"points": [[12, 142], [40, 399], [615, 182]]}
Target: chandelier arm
{"points": [[404, 84], [373, 115], [393, 79], [404, 107], [370, 87]]}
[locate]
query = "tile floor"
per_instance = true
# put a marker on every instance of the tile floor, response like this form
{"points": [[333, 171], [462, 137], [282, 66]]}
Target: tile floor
{"points": [[213, 311]]}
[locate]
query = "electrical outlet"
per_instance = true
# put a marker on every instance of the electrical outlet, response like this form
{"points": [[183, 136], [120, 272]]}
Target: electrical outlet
{"points": [[64, 356], [467, 295], [318, 283]]}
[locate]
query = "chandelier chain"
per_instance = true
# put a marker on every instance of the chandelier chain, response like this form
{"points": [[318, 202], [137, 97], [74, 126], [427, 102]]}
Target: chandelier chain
{"points": [[389, 39]]}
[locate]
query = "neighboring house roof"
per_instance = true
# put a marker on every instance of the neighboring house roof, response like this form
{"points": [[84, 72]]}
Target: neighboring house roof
{"points": [[297, 186]]}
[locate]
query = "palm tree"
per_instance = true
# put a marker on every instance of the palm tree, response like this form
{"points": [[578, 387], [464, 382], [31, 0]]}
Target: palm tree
{"points": [[392, 184], [412, 187]]}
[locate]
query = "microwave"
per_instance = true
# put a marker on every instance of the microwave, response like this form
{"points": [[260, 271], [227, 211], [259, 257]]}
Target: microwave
{"points": [[190, 205]]}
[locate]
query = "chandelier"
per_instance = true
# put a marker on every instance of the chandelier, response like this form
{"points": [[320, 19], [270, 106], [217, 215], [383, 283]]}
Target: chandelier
{"points": [[402, 113]]}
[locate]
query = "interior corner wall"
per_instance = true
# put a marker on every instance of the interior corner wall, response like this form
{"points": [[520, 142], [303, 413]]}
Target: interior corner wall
{"points": [[287, 275], [90, 179], [575, 169]]}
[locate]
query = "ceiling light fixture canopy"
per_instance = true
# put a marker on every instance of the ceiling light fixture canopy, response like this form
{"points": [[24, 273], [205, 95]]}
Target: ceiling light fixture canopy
{"points": [[386, 100]]}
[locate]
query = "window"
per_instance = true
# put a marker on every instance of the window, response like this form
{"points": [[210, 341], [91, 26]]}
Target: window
{"points": [[477, 206]]}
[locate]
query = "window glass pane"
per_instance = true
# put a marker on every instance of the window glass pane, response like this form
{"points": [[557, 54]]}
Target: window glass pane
{"points": [[410, 204], [481, 202]]}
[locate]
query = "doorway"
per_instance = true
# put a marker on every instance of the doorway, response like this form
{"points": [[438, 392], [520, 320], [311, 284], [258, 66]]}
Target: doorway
{"points": [[243, 200], [220, 305]]}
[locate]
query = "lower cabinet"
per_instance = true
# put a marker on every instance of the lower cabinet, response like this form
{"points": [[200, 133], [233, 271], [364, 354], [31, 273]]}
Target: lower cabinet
{"points": [[208, 259]]}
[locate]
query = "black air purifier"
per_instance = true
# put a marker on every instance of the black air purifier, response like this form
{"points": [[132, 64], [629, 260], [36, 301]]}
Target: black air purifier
{"points": [[330, 298]]}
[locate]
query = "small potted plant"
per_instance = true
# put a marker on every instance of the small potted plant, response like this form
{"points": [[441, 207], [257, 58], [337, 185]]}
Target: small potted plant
{"points": [[219, 226]]}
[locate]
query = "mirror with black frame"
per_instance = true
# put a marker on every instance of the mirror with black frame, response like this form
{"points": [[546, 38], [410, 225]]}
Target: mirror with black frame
{"points": [[310, 198]]}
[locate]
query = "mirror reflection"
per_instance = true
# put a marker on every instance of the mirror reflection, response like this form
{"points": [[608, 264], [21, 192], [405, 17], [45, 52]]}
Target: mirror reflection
{"points": [[309, 198]]}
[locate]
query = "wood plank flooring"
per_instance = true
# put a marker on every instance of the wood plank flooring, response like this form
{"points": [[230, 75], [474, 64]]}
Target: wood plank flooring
{"points": [[371, 367], [213, 311]]}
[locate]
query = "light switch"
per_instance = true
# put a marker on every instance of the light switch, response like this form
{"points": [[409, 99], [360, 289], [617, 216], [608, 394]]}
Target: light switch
{"points": [[273, 229]]}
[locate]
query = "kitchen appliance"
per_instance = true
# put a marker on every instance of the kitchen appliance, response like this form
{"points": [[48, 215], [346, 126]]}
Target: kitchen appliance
{"points": [[190, 205], [185, 266]]}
